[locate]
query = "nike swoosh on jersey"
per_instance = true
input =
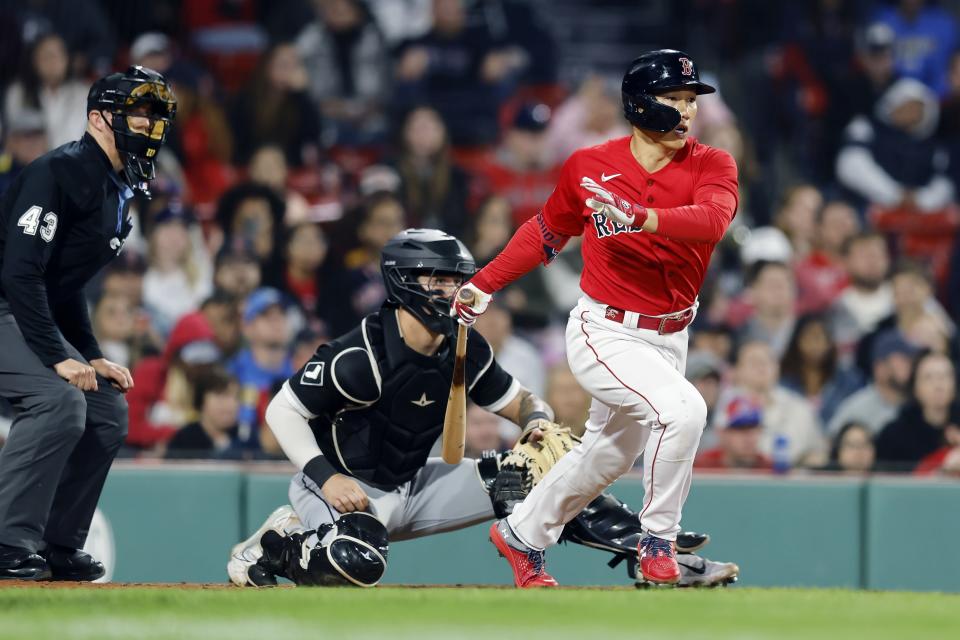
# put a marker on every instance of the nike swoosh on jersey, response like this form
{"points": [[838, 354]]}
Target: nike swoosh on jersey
{"points": [[605, 178]]}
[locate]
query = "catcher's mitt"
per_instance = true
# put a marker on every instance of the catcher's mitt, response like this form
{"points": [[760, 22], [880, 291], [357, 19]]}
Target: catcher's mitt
{"points": [[527, 463]]}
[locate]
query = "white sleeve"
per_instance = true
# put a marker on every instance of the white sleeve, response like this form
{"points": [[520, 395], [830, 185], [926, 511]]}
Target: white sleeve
{"points": [[859, 172], [935, 195], [288, 419]]}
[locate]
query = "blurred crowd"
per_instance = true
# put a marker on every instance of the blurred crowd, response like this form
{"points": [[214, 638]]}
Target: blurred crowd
{"points": [[309, 132]]}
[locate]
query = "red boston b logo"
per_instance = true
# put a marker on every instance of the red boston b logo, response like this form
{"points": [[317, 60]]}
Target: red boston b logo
{"points": [[687, 69]]}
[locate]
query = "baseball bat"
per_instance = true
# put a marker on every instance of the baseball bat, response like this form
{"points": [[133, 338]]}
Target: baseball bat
{"points": [[455, 419]]}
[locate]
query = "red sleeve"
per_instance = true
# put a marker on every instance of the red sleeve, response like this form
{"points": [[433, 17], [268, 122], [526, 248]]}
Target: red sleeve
{"points": [[563, 210], [714, 204], [539, 239], [149, 378], [532, 244]]}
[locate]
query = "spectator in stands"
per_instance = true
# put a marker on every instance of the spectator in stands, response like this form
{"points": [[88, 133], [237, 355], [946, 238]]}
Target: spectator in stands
{"points": [[706, 372], [868, 298], [482, 432], [522, 39], [305, 251], [268, 167], [46, 86], [518, 357], [925, 37], [773, 295], [570, 403], [216, 400], [785, 413], [878, 403], [275, 108], [124, 277], [179, 273], [520, 169], [810, 367], [492, 229], [161, 400], [852, 450], [202, 139], [930, 332], [863, 83], [264, 361], [237, 273], [433, 188], [716, 339], [530, 299], [348, 67], [222, 312], [359, 285], [592, 115], [24, 140], [84, 25], [913, 302], [946, 459], [821, 275], [456, 68], [114, 326], [797, 217], [739, 436], [919, 428], [251, 219], [891, 158]]}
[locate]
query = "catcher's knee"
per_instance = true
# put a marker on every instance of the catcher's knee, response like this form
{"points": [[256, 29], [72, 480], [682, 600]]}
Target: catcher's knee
{"points": [[354, 555]]}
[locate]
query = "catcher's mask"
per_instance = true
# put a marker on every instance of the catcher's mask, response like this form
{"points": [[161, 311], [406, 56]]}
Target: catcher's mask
{"points": [[425, 252], [142, 108]]}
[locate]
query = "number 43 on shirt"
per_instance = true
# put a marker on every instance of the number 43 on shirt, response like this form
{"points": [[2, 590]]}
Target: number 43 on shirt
{"points": [[30, 221]]}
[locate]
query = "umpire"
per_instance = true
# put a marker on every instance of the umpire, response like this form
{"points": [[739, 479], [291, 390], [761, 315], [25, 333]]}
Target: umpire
{"points": [[61, 221]]}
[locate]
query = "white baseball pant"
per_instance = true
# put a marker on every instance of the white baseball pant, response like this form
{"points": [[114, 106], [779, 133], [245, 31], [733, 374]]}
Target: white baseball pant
{"points": [[636, 379]]}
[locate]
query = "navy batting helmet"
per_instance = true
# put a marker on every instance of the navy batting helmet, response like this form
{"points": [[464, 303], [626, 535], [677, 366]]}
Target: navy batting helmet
{"points": [[416, 252], [656, 72]]}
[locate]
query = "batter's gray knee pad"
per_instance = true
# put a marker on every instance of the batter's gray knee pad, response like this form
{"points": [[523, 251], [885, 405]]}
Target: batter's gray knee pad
{"points": [[355, 555]]}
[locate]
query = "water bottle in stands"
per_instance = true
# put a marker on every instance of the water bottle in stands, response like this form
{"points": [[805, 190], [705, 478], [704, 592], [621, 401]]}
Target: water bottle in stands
{"points": [[781, 454]]}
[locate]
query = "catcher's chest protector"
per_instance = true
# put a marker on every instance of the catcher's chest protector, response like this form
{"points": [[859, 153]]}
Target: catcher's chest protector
{"points": [[389, 441]]}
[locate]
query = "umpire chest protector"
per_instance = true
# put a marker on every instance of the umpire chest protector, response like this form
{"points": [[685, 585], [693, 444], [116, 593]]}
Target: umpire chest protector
{"points": [[387, 440]]}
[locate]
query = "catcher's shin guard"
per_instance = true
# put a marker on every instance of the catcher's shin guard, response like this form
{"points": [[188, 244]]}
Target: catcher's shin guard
{"points": [[608, 524]]}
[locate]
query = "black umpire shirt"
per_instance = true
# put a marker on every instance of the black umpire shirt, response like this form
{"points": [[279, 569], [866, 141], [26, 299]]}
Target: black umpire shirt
{"points": [[63, 219]]}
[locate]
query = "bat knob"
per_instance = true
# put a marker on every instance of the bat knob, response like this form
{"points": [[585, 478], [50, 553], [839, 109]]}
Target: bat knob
{"points": [[465, 296]]}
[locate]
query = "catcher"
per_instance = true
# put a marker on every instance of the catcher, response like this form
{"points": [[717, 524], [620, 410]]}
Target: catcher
{"points": [[359, 420]]}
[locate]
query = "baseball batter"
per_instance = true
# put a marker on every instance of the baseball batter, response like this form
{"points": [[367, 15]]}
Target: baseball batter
{"points": [[651, 207]]}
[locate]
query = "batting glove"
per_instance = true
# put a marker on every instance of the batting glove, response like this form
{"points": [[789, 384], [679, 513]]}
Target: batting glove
{"points": [[613, 206], [467, 314]]}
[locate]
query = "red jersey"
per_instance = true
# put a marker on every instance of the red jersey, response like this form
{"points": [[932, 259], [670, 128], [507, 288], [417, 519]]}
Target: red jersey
{"points": [[695, 197]]}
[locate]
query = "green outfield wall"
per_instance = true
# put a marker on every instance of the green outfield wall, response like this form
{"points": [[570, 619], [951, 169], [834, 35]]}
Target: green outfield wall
{"points": [[178, 524]]}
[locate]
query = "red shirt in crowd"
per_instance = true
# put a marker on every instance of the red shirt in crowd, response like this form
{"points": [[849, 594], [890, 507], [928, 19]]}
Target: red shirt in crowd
{"points": [[525, 190], [694, 195], [820, 280], [716, 459]]}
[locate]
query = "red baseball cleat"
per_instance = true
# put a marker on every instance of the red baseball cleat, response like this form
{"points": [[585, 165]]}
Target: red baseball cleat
{"points": [[658, 560], [528, 571]]}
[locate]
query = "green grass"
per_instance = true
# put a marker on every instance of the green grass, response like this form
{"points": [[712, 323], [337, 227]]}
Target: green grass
{"points": [[488, 614]]}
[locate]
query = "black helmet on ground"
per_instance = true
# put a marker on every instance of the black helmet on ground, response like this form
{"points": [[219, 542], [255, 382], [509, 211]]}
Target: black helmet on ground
{"points": [[657, 72], [416, 252]]}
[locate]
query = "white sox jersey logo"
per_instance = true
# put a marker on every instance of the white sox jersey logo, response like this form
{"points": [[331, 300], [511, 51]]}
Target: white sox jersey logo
{"points": [[313, 374]]}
